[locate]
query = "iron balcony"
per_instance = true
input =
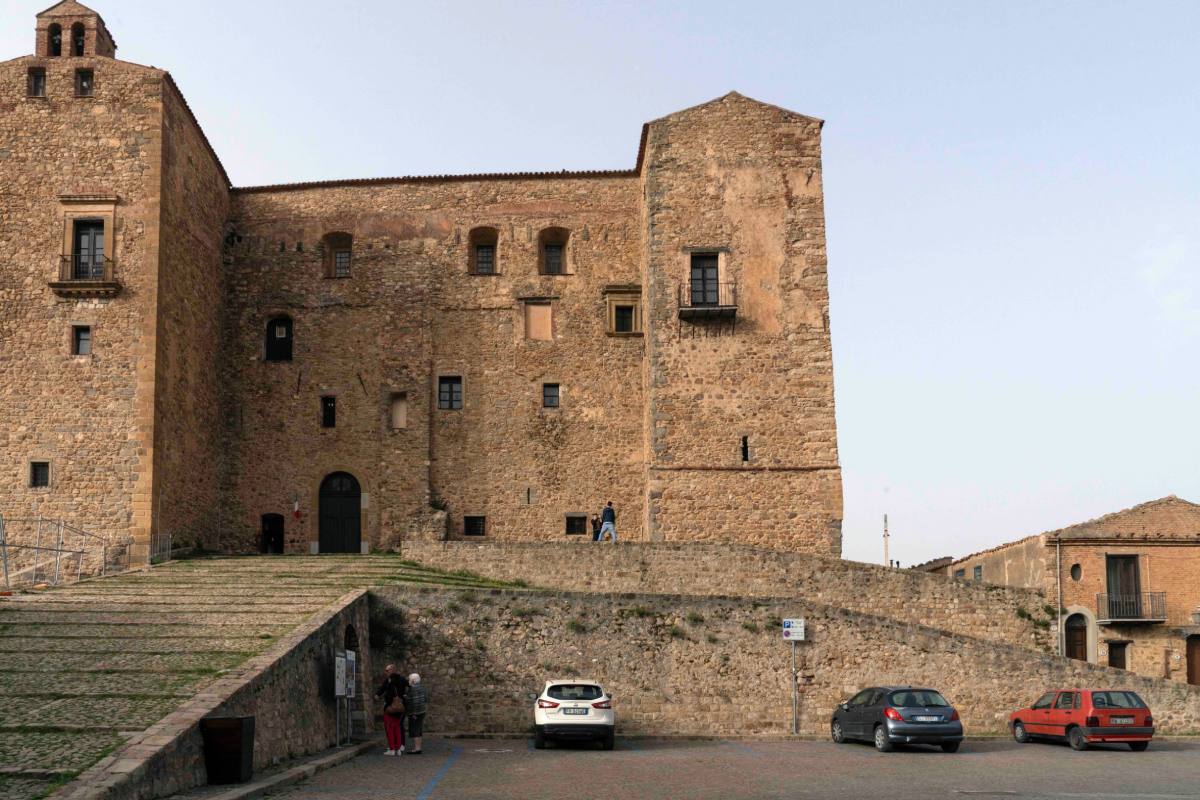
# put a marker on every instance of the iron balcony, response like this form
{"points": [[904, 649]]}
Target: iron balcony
{"points": [[1131, 609]]}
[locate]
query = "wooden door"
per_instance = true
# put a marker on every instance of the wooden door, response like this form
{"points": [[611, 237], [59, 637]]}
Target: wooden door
{"points": [[1076, 638], [340, 529], [1124, 588], [1193, 660]]}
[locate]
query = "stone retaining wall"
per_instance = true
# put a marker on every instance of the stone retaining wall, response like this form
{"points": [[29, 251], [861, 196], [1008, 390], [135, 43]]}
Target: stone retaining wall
{"points": [[288, 689], [708, 665], [1016, 616]]}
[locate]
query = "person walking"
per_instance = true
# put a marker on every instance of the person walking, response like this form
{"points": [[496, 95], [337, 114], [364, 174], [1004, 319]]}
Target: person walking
{"points": [[416, 700], [392, 691], [608, 519], [595, 527]]}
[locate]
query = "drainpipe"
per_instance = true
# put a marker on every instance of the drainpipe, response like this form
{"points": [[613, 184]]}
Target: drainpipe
{"points": [[1058, 583]]}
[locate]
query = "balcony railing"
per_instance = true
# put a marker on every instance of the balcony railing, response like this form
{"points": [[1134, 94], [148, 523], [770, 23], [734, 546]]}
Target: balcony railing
{"points": [[81, 274], [1120, 609], [699, 299]]}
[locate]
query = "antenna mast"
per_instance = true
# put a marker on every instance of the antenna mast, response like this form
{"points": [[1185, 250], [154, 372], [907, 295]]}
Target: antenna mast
{"points": [[886, 558]]}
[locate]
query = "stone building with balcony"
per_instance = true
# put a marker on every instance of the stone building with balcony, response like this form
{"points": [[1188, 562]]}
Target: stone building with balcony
{"points": [[342, 365], [1129, 584]]}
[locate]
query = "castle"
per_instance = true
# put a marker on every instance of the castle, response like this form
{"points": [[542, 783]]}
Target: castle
{"points": [[347, 365]]}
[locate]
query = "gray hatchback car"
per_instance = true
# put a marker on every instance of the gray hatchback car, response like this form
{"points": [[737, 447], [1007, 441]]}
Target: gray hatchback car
{"points": [[891, 715]]}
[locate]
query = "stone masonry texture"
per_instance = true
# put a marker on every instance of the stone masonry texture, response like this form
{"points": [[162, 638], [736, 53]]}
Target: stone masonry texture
{"points": [[697, 426]]}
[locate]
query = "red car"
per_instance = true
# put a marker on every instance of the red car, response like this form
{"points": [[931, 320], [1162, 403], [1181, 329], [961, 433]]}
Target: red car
{"points": [[1086, 716]]}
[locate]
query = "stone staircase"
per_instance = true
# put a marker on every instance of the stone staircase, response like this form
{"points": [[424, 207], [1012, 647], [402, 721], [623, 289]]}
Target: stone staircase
{"points": [[87, 665]]}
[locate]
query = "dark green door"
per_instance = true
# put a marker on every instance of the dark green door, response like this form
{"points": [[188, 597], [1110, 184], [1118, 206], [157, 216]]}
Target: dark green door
{"points": [[340, 515]]}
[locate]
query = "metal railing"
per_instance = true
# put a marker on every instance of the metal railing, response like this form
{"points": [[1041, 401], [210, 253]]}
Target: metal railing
{"points": [[1145, 606], [84, 267], [708, 294], [36, 550]]}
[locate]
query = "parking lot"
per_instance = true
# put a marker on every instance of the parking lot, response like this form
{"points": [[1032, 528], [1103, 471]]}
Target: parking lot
{"points": [[664, 769]]}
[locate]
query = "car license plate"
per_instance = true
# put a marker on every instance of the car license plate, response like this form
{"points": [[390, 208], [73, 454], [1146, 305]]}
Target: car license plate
{"points": [[926, 718], [574, 710], [1121, 720]]}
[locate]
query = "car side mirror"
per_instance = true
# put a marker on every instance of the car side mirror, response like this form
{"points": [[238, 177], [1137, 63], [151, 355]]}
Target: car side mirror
{"points": [[844, 706]]}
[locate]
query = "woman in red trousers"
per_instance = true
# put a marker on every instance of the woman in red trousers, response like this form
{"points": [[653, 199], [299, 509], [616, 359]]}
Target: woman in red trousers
{"points": [[394, 686]]}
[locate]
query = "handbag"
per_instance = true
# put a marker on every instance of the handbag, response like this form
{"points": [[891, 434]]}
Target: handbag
{"points": [[396, 707]]}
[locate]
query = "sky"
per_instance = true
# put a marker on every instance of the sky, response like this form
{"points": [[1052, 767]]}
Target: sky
{"points": [[1012, 200]]}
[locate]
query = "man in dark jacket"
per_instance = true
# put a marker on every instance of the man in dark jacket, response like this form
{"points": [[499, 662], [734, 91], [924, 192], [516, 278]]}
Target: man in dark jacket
{"points": [[608, 521]]}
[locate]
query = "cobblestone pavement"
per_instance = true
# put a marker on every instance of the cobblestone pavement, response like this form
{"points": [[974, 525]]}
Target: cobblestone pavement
{"points": [[88, 663], [674, 770]]}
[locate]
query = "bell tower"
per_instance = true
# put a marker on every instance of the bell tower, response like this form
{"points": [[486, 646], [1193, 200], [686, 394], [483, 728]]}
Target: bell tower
{"points": [[70, 29]]}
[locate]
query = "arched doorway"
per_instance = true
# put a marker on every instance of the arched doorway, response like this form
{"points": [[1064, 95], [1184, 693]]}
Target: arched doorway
{"points": [[1193, 660], [1076, 637], [340, 527], [272, 533]]}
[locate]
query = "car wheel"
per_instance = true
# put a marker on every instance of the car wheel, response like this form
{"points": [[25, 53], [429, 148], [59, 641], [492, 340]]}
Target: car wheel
{"points": [[539, 739], [608, 741], [882, 743], [1019, 733], [835, 731], [1077, 739], [950, 747], [1138, 747]]}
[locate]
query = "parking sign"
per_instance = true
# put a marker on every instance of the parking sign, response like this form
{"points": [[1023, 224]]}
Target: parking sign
{"points": [[793, 630]]}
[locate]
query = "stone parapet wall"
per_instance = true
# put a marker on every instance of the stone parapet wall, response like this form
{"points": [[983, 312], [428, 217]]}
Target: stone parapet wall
{"points": [[1015, 616], [708, 665]]}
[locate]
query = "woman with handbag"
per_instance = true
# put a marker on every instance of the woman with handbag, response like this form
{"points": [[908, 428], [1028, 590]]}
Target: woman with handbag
{"points": [[392, 691]]}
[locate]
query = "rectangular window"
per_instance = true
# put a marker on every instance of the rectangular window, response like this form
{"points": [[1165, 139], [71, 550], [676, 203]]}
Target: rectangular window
{"points": [[539, 321], [37, 83], [978, 574], [81, 340], [705, 290], [85, 83], [39, 474], [328, 412], [485, 259], [341, 264], [474, 526], [87, 261], [577, 524], [554, 259], [960, 574], [450, 392], [623, 319], [399, 411], [550, 395]]}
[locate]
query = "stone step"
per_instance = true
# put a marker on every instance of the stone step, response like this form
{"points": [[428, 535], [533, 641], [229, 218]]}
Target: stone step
{"points": [[130, 713], [54, 750], [96, 683], [122, 661], [141, 644]]}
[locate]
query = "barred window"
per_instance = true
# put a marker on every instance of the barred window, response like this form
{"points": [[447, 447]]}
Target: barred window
{"points": [[485, 259], [39, 474], [550, 395], [341, 264], [474, 526]]}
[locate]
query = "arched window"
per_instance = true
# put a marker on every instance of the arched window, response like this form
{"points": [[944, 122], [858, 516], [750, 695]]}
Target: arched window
{"points": [[483, 250], [339, 248], [54, 40], [552, 251], [77, 39], [279, 339]]}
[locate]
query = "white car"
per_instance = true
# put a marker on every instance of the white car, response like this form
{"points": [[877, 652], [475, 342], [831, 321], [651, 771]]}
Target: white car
{"points": [[574, 709]]}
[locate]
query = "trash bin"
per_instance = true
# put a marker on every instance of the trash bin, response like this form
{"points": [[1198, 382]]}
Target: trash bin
{"points": [[228, 748]]}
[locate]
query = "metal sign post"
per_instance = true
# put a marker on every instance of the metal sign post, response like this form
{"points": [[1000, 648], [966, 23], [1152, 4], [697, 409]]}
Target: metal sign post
{"points": [[339, 692], [793, 631]]}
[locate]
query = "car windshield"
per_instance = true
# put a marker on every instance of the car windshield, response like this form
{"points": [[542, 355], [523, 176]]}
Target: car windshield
{"points": [[1117, 700], [575, 691], [911, 698]]}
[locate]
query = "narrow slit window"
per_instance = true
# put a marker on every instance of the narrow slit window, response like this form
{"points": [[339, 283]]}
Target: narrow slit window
{"points": [[474, 526], [81, 340], [39, 474], [745, 449], [450, 392], [328, 412], [550, 395]]}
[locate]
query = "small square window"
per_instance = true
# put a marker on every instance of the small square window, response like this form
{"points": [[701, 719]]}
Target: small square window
{"points": [[81, 340], [37, 83], [577, 524], [623, 319], [485, 259], [328, 412], [960, 573], [550, 395], [624, 311], [39, 474], [341, 264], [474, 526], [85, 83], [450, 392]]}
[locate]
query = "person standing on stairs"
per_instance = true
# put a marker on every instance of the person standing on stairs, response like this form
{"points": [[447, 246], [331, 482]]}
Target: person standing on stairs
{"points": [[392, 691], [416, 700]]}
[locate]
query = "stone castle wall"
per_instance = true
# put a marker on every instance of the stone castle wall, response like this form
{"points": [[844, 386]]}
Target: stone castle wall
{"points": [[91, 417], [1017, 617], [708, 665]]}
